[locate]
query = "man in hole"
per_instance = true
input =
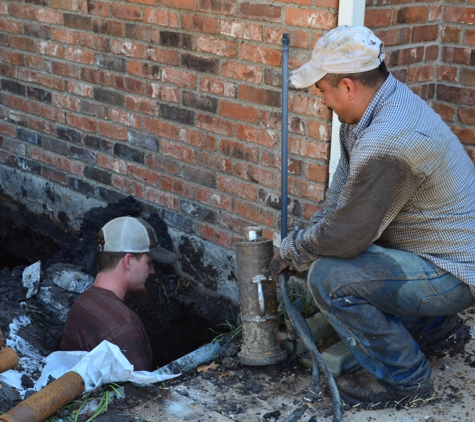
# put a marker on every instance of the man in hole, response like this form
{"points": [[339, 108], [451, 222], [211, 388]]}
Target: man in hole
{"points": [[391, 256], [127, 247]]}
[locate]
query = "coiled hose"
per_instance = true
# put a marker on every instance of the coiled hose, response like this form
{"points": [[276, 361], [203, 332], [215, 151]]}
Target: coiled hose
{"points": [[303, 331]]}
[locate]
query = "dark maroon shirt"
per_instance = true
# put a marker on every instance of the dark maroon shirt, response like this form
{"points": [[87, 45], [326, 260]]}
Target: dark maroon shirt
{"points": [[97, 315]]}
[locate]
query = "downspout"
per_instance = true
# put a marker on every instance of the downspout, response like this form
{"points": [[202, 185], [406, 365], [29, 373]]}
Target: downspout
{"points": [[350, 12]]}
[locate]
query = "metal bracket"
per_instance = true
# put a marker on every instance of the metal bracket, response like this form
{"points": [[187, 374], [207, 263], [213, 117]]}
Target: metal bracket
{"points": [[258, 279]]}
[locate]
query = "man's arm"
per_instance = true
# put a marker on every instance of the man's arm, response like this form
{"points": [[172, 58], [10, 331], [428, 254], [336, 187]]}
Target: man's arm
{"points": [[369, 200]]}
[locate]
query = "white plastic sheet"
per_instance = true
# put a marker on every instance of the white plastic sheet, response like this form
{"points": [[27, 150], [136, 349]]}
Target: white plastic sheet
{"points": [[104, 364]]}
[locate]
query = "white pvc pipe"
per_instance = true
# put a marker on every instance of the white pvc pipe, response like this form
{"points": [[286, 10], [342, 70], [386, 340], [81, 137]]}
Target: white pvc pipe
{"points": [[350, 12]]}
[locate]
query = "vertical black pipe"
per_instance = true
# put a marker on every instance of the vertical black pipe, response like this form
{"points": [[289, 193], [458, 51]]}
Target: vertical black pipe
{"points": [[285, 133]]}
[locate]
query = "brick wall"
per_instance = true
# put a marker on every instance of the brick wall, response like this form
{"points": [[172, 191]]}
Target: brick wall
{"points": [[177, 102]]}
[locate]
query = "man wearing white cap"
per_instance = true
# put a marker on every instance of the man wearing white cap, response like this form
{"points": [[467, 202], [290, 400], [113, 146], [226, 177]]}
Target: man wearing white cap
{"points": [[391, 256], [127, 247]]}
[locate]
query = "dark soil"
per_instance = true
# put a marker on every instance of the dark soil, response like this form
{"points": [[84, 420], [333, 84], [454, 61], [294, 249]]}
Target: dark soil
{"points": [[177, 319]]}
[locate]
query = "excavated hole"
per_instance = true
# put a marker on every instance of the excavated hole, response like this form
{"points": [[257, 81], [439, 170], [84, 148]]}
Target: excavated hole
{"points": [[177, 319]]}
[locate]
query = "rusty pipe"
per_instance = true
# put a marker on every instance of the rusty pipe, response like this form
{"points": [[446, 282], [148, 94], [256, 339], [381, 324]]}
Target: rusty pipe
{"points": [[46, 402], [2, 340], [8, 359]]}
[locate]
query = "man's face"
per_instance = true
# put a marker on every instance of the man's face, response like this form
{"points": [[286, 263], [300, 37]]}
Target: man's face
{"points": [[140, 270], [336, 99]]}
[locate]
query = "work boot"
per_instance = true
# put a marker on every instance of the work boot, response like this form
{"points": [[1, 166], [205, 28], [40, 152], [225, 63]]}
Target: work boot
{"points": [[450, 345], [362, 390]]}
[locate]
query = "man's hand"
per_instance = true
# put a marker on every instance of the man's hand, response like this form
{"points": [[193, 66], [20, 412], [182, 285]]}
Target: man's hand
{"points": [[277, 265]]}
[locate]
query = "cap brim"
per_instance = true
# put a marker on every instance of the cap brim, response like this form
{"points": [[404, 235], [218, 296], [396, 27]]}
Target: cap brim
{"points": [[162, 255], [306, 76]]}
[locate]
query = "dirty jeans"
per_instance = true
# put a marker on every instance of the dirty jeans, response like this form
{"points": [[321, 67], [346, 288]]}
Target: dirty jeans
{"points": [[378, 300]]}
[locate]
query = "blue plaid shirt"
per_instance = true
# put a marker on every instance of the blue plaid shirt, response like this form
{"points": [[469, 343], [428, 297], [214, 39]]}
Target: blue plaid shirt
{"points": [[404, 181]]}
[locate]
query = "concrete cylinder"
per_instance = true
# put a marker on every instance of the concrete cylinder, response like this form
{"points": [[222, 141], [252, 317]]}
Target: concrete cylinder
{"points": [[46, 402], [258, 302]]}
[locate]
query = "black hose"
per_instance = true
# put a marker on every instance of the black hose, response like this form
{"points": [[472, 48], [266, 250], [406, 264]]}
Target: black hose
{"points": [[303, 331]]}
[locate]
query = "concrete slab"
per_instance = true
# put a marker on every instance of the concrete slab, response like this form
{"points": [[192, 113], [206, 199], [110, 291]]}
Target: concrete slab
{"points": [[253, 394]]}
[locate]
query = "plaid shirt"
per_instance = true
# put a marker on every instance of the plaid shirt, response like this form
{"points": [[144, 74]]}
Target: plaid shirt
{"points": [[404, 181]]}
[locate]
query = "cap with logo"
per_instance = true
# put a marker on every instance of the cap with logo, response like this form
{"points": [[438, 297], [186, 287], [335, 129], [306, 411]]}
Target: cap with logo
{"points": [[134, 235], [344, 49]]}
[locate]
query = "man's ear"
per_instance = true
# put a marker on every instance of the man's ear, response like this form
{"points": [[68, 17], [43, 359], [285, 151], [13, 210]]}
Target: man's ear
{"points": [[126, 260], [349, 87]]}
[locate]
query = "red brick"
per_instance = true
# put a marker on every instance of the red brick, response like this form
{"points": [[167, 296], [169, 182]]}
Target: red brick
{"points": [[162, 92], [214, 199], [128, 84], [64, 35], [142, 105], [160, 128], [309, 149], [162, 164], [394, 36], [41, 125], [255, 213], [52, 113], [410, 55], [22, 12], [298, 39], [65, 4], [49, 16], [310, 18], [432, 53], [22, 43], [215, 235], [127, 12], [84, 123], [214, 162], [50, 49], [42, 156], [257, 54], [421, 74], [255, 174], [447, 73], [109, 27], [131, 187], [3, 8], [56, 176], [161, 55], [218, 87], [310, 210], [163, 199], [178, 186], [140, 173], [241, 30], [112, 131], [162, 17], [200, 24], [198, 139], [460, 15], [95, 76], [261, 12], [309, 106], [78, 88], [216, 46], [221, 7], [79, 55], [14, 27], [238, 111], [242, 71], [237, 225], [305, 190], [107, 162], [179, 78], [146, 2], [413, 14], [177, 151], [237, 188], [453, 34], [63, 163], [317, 172], [98, 8], [31, 107], [127, 48], [7, 129], [66, 102], [260, 96], [179, 4], [445, 111], [239, 151], [466, 115], [39, 63], [377, 18], [425, 33], [265, 137], [9, 56], [465, 135], [214, 124], [144, 70], [126, 119], [94, 42]]}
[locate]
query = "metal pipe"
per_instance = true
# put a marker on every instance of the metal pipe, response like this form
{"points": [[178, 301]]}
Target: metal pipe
{"points": [[258, 302], [8, 359], [46, 402], [285, 132]]}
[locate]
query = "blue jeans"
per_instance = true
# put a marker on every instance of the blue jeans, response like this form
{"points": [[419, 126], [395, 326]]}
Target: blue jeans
{"points": [[378, 300]]}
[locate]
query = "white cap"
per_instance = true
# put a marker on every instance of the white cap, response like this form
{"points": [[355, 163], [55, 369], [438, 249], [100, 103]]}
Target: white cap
{"points": [[130, 234], [344, 49]]}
